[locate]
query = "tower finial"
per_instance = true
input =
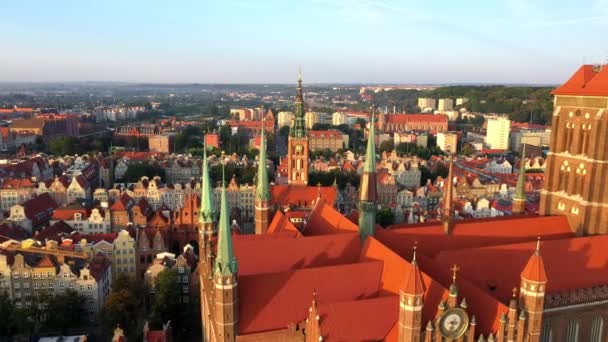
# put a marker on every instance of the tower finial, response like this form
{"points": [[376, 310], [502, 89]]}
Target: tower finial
{"points": [[414, 252], [537, 246], [299, 73], [514, 291], [454, 270]]}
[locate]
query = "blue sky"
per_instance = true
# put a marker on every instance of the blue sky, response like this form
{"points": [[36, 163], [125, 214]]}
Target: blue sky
{"points": [[264, 41]]}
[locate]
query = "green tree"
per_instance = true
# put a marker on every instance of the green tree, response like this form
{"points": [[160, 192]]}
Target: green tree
{"points": [[66, 310], [8, 314], [468, 149], [385, 217], [138, 170], [125, 307], [387, 145], [166, 305]]}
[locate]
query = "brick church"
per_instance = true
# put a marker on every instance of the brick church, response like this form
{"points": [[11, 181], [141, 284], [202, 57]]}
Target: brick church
{"points": [[338, 278]]}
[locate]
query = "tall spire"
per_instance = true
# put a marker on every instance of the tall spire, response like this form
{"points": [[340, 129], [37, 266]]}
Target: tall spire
{"points": [[370, 153], [368, 195], [299, 127], [519, 199], [262, 191], [448, 200], [225, 261], [207, 208]]}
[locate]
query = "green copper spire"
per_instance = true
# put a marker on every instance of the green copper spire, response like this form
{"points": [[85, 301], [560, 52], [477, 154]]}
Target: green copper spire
{"points": [[299, 124], [368, 194], [207, 212], [520, 189], [225, 261], [262, 191], [370, 153]]}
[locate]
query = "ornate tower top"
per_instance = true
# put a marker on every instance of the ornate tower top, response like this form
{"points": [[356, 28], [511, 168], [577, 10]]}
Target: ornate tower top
{"points": [[207, 210], [299, 127], [262, 192], [225, 261]]}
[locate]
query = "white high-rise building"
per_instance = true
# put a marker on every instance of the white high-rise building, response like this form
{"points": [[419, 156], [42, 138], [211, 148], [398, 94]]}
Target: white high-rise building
{"points": [[338, 118], [426, 104], [284, 119], [445, 104], [447, 141], [497, 133]]}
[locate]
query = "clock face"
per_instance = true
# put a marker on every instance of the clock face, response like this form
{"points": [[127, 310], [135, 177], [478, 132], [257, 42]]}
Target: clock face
{"points": [[453, 324], [298, 148]]}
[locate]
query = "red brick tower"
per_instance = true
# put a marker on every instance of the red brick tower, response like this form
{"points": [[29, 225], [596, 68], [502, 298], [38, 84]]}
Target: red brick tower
{"points": [[532, 294], [410, 304]]}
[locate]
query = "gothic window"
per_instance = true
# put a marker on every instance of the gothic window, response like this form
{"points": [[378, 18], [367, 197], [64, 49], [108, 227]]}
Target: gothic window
{"points": [[569, 134], [586, 131], [572, 332], [581, 171], [563, 176], [597, 327]]}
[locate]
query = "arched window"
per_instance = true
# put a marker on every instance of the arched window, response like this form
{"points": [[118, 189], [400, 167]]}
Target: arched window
{"points": [[546, 335], [572, 332], [597, 329], [581, 172], [586, 131], [563, 176]]}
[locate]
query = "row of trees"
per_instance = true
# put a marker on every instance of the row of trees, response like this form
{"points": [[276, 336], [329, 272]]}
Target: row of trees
{"points": [[131, 304], [61, 313]]}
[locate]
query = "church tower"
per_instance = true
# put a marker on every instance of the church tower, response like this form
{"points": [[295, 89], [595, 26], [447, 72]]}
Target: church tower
{"points": [[448, 201], [410, 304], [532, 294], [519, 199], [225, 279], [368, 192], [262, 191], [297, 146], [207, 229], [577, 163]]}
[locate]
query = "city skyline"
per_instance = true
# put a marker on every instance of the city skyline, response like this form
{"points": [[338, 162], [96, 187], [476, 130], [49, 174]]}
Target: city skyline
{"points": [[357, 41]]}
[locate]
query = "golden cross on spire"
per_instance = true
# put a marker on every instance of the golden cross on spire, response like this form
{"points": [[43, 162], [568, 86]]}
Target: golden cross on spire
{"points": [[454, 270], [537, 245]]}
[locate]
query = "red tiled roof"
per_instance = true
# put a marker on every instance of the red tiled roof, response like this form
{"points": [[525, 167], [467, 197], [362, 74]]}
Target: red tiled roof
{"points": [[12, 232], [54, 231], [123, 203], [284, 195], [535, 269], [258, 256], [473, 233], [272, 301], [16, 183], [502, 265], [16, 110], [67, 214], [413, 283], [358, 320], [45, 262], [405, 118], [40, 208], [585, 81], [280, 223], [324, 219]]}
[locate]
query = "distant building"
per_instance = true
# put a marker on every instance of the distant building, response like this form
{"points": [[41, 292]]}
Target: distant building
{"points": [[332, 140], [461, 100], [162, 143], [497, 133], [445, 104], [284, 119], [447, 141], [212, 140], [534, 137], [313, 118], [412, 122], [426, 104], [338, 118]]}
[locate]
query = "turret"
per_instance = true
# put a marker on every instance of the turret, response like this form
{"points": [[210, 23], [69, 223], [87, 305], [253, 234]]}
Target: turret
{"points": [[519, 199], [313, 322], [411, 304], [532, 293], [368, 195], [262, 190], [207, 214], [225, 278], [448, 201]]}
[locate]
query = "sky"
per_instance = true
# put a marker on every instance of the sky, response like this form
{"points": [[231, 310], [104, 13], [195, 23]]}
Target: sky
{"points": [[334, 41]]}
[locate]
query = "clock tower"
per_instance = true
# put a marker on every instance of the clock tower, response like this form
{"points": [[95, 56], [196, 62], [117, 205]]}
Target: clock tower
{"points": [[297, 146]]}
